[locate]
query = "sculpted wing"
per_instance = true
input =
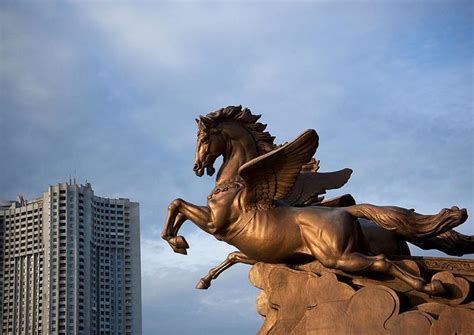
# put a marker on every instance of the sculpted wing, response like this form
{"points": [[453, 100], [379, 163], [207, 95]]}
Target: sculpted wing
{"points": [[271, 176], [310, 185]]}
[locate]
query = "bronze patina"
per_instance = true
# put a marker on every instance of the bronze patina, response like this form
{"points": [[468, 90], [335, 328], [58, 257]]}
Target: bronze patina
{"points": [[268, 203]]}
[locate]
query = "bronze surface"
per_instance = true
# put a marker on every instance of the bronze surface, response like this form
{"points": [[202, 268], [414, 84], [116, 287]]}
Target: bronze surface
{"points": [[317, 300], [267, 202]]}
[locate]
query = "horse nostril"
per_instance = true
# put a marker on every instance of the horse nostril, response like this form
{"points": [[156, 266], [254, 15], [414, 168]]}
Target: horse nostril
{"points": [[195, 167]]}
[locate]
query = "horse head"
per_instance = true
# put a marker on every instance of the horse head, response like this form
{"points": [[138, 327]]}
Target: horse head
{"points": [[233, 132], [210, 145]]}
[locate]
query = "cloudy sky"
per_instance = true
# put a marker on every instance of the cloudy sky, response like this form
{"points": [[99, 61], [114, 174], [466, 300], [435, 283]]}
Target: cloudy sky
{"points": [[108, 92]]}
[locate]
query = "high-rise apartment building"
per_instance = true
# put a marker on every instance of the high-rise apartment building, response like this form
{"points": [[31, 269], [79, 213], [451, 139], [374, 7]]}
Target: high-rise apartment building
{"points": [[70, 264]]}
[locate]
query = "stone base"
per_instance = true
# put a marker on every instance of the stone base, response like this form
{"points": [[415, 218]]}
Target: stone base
{"points": [[311, 299]]}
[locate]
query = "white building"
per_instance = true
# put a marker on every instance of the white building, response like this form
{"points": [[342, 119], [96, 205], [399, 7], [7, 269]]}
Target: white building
{"points": [[70, 264]]}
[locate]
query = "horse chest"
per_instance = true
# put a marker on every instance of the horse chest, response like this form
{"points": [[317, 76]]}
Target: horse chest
{"points": [[222, 208]]}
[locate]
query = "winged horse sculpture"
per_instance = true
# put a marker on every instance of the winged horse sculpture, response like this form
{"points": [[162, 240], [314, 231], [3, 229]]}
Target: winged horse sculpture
{"points": [[267, 202]]}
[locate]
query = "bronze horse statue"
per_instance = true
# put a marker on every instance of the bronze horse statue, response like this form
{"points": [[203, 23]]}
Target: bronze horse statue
{"points": [[267, 204]]}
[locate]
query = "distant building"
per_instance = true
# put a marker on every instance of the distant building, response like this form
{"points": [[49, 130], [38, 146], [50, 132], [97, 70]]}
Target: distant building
{"points": [[70, 264]]}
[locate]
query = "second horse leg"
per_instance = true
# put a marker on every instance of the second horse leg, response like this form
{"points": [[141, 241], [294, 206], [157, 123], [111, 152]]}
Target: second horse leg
{"points": [[232, 258]]}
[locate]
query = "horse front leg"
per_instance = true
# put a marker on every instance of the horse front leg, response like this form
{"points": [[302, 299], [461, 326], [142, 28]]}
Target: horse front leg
{"points": [[177, 243], [232, 258], [178, 212]]}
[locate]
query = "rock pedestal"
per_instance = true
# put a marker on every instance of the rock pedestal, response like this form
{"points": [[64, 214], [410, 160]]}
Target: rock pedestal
{"points": [[311, 299]]}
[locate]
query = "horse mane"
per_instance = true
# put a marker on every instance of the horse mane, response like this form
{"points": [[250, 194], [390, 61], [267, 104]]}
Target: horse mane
{"points": [[244, 117]]}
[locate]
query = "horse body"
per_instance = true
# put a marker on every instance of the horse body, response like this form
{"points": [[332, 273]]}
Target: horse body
{"points": [[253, 231], [293, 238], [259, 238], [271, 231], [277, 234]]}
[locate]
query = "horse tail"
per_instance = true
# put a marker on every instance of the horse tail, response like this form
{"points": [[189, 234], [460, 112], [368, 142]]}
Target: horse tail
{"points": [[425, 231]]}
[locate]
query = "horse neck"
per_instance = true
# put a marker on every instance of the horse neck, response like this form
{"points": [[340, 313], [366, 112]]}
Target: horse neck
{"points": [[240, 148]]}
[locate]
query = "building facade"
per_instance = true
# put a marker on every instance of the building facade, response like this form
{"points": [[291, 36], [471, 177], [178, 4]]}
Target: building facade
{"points": [[70, 264]]}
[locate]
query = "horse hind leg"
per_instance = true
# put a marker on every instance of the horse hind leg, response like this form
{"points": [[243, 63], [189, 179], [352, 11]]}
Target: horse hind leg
{"points": [[357, 262], [232, 258], [341, 247]]}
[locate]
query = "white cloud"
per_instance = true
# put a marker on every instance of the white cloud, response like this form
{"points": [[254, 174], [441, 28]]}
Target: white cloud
{"points": [[205, 252]]}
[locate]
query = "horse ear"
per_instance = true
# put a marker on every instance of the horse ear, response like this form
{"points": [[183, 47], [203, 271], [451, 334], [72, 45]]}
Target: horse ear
{"points": [[200, 124], [206, 122]]}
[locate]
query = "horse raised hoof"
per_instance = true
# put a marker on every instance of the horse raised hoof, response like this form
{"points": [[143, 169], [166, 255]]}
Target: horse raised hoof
{"points": [[177, 250], [179, 242], [178, 245], [203, 284]]}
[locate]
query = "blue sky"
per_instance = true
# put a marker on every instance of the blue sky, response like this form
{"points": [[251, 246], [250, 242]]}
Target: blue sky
{"points": [[108, 92]]}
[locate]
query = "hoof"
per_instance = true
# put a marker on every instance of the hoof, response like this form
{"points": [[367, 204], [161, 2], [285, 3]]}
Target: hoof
{"points": [[179, 242], [179, 250], [203, 284], [435, 288]]}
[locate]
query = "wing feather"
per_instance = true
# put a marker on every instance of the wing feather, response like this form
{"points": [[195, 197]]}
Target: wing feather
{"points": [[309, 185], [271, 176]]}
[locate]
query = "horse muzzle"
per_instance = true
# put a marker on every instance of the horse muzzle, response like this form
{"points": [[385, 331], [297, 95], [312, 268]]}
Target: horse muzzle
{"points": [[199, 169]]}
